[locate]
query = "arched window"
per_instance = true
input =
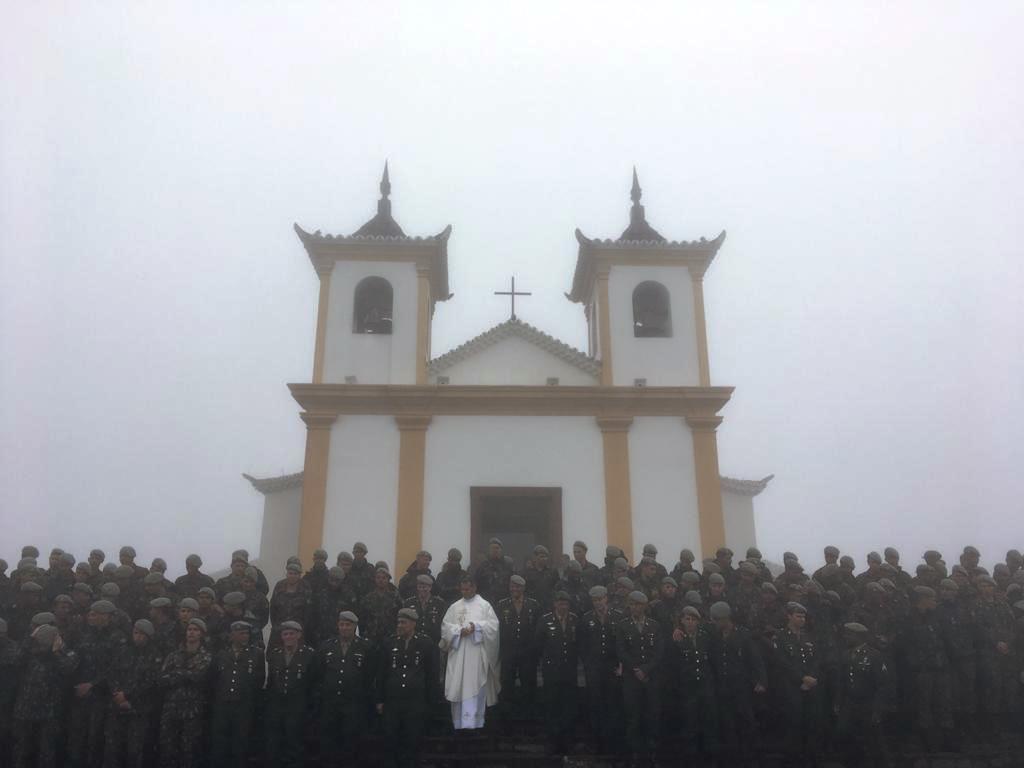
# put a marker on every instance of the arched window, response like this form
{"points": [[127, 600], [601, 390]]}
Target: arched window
{"points": [[373, 306], [652, 311]]}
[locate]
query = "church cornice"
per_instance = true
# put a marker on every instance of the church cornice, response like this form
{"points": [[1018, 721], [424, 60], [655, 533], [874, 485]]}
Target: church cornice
{"points": [[267, 485], [480, 400], [745, 487], [515, 328]]}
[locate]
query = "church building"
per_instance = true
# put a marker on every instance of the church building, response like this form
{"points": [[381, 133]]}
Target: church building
{"points": [[514, 433]]}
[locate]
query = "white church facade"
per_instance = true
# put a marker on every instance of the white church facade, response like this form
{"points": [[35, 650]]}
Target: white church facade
{"points": [[514, 433]]}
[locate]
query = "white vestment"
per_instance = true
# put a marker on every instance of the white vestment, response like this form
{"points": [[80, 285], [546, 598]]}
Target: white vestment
{"points": [[472, 681]]}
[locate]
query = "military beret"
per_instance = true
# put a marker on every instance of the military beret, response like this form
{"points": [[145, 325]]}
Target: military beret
{"points": [[561, 595], [240, 626], [690, 577], [723, 552], [753, 553], [319, 554], [794, 607], [686, 556], [923, 592], [495, 540], [197, 622], [30, 586], [44, 617], [789, 556], [208, 591], [711, 567], [62, 599], [517, 579], [334, 572], [45, 635], [716, 578], [250, 573], [540, 549], [748, 567], [846, 562], [624, 581], [408, 613], [190, 603], [854, 628], [110, 568], [831, 551], [425, 578], [97, 553], [56, 552], [670, 581], [359, 547], [574, 566], [874, 586], [621, 562], [160, 602], [769, 587], [874, 557], [986, 580], [579, 544], [689, 610], [127, 552], [612, 551], [424, 553], [650, 549], [195, 560], [290, 625], [80, 568], [82, 587], [294, 560], [110, 589], [158, 564], [234, 598], [103, 606], [29, 551], [973, 551], [924, 568], [1014, 556], [240, 554], [891, 552], [67, 558], [932, 554], [124, 572], [598, 591], [693, 597], [382, 569], [720, 610], [153, 578], [960, 569], [638, 597], [454, 555], [3, 626], [648, 560], [145, 626], [293, 568], [348, 616]]}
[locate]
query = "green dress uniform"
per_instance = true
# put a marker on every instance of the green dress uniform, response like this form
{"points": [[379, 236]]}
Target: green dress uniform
{"points": [[516, 627], [861, 705], [407, 682], [289, 685], [604, 685], [238, 679], [344, 675], [556, 640], [691, 662], [641, 645]]}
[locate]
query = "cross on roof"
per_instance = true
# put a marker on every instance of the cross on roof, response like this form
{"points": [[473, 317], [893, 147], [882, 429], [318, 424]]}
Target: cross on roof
{"points": [[513, 293]]}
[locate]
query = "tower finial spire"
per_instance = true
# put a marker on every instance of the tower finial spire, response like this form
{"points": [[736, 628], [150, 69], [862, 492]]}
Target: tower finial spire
{"points": [[635, 192], [385, 182], [638, 228]]}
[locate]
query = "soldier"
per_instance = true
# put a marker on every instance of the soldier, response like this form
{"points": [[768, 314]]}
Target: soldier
{"points": [[289, 683], [194, 579], [956, 628], [133, 683], [892, 558], [667, 607], [640, 648], [691, 658], [127, 557], [379, 608], [291, 599], [745, 594], [337, 596], [99, 647], [447, 584], [861, 701], [316, 577], [27, 604], [606, 574], [800, 683], [740, 675], [95, 560], [420, 567], [517, 622], [928, 682], [602, 669], [556, 643], [685, 565], [407, 686], [622, 588], [165, 628], [185, 680], [651, 551], [541, 578], [577, 588], [831, 558], [239, 673], [344, 673], [38, 707], [646, 579], [233, 581], [590, 573], [996, 674], [257, 606], [428, 607], [492, 574], [362, 571], [723, 559]]}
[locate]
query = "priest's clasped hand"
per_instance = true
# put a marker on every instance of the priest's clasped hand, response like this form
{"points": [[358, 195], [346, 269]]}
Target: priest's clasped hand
{"points": [[466, 631]]}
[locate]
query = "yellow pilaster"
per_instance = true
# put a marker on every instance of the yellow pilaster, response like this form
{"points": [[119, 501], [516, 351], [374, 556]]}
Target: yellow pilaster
{"points": [[604, 325], [704, 369], [412, 458], [617, 491], [323, 271], [422, 324], [709, 488], [314, 482]]}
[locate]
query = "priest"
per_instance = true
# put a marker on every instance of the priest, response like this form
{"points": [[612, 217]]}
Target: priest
{"points": [[469, 633]]}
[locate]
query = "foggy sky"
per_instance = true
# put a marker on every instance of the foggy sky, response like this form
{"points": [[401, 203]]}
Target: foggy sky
{"points": [[865, 159]]}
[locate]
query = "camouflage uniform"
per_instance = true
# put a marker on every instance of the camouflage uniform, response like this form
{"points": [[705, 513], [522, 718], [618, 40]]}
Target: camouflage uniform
{"points": [[378, 612], [97, 652], [185, 678], [39, 706], [128, 733]]}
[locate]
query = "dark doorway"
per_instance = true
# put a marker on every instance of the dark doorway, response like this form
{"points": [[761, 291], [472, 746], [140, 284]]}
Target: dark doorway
{"points": [[521, 517]]}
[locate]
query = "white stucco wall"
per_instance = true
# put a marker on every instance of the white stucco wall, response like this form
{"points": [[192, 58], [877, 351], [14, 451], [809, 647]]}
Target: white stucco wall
{"points": [[515, 361], [670, 362], [280, 537], [664, 487], [466, 451], [362, 486], [371, 358], [740, 529]]}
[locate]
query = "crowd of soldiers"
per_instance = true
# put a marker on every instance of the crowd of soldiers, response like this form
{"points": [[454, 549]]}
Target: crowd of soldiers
{"points": [[113, 664]]}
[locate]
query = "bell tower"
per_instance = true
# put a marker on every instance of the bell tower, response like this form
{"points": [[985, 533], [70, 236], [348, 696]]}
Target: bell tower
{"points": [[644, 300], [378, 289]]}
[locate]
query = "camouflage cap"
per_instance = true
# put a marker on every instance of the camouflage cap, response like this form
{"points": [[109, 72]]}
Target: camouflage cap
{"points": [[753, 553], [690, 577], [334, 572], [110, 589], [67, 558], [293, 568], [29, 551], [922, 593], [650, 549], [344, 557], [770, 588], [319, 554], [668, 580], [624, 582], [874, 557], [540, 549], [495, 540], [971, 551], [561, 596], [208, 592], [855, 628], [693, 597], [30, 586], [153, 578], [127, 551], [621, 562], [97, 553], [359, 547], [124, 572], [579, 544], [194, 560], [82, 587], [795, 607], [45, 635], [455, 555], [158, 564], [716, 578], [831, 551], [949, 584], [686, 556], [612, 551]]}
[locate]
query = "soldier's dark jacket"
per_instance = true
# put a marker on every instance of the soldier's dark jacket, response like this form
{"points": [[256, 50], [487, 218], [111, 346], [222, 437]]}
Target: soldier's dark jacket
{"points": [[185, 679], [189, 585], [327, 604], [738, 665], [994, 619], [597, 642], [557, 647], [447, 584], [431, 615], [290, 679], [639, 646], [796, 656], [540, 585], [42, 684], [956, 628], [136, 673], [517, 628], [345, 679], [692, 660], [97, 650], [294, 605], [863, 681], [378, 612], [492, 577], [408, 669], [239, 675]]}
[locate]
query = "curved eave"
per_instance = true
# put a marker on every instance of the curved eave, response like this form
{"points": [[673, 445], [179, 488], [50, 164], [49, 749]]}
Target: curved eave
{"points": [[745, 487], [266, 485]]}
